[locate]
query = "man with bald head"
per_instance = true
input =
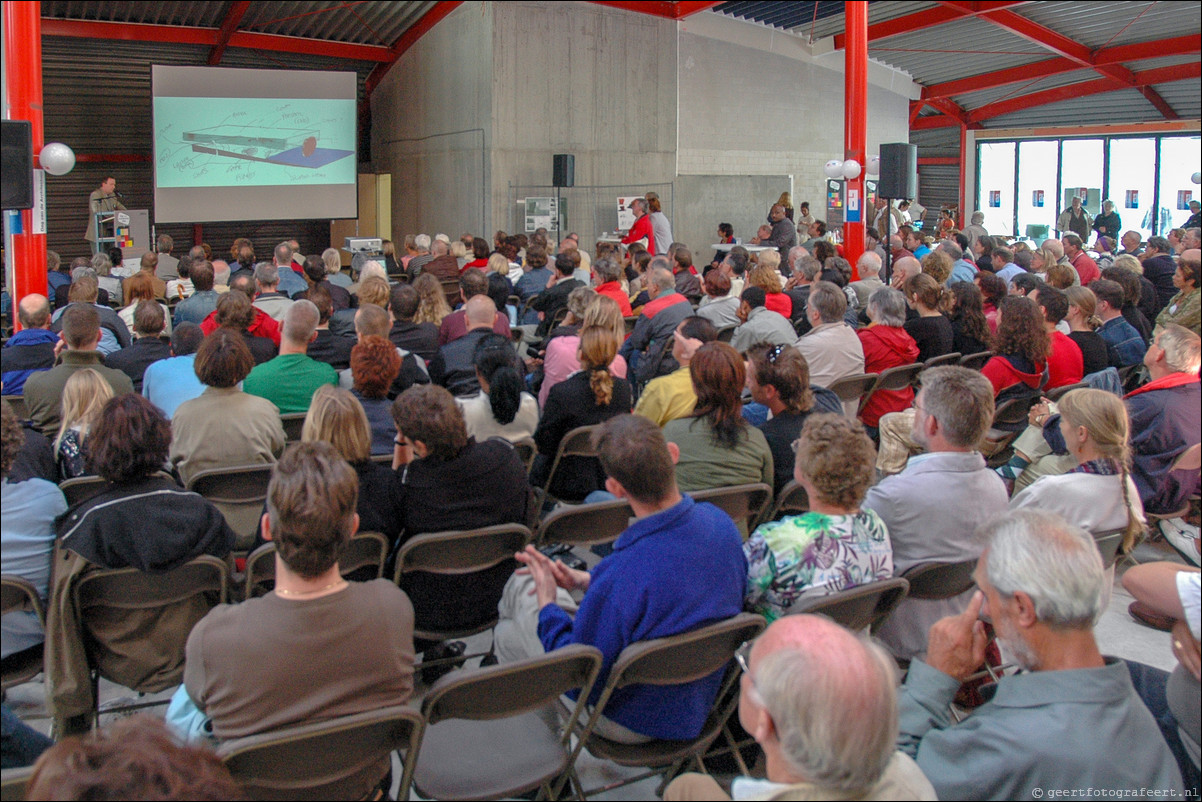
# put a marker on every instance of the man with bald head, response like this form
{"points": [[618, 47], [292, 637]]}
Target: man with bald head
{"points": [[784, 234], [869, 268], [31, 349], [443, 265], [454, 366], [290, 379], [821, 702]]}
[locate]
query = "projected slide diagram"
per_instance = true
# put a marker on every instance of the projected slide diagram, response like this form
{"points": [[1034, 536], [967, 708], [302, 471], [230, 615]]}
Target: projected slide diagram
{"points": [[215, 142]]}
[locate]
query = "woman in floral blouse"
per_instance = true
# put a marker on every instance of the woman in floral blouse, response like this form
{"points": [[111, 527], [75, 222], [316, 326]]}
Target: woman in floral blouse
{"points": [[834, 546]]}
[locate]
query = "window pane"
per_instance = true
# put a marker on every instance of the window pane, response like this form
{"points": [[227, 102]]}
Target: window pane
{"points": [[1037, 189], [1179, 159], [1081, 174], [1131, 184], [995, 189]]}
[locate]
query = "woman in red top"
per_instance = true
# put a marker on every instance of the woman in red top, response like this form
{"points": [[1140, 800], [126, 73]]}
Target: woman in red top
{"points": [[993, 290], [479, 254], [765, 277], [1021, 348], [886, 345]]}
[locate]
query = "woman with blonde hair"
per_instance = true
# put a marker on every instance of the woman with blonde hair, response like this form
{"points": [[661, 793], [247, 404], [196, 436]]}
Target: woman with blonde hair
{"points": [[333, 262], [433, 307], [1082, 323], [1098, 494], [765, 276], [84, 396], [497, 263], [336, 417], [561, 360]]}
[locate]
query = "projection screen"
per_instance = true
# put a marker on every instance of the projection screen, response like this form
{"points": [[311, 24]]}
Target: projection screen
{"points": [[232, 144]]}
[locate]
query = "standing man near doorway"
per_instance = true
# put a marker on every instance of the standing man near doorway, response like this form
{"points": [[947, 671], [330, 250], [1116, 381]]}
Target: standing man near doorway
{"points": [[102, 199]]}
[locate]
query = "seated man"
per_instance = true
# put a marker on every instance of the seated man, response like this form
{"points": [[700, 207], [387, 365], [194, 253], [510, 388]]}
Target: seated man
{"points": [[832, 349], [315, 276], [1057, 725], [670, 397], [148, 347], [652, 335], [329, 347], [454, 367], [114, 334], [417, 338], [555, 296], [932, 508], [268, 297], [172, 381], [472, 282], [348, 645], [373, 320], [822, 704], [760, 324], [680, 566], [289, 380], [31, 349], [261, 324], [1123, 342], [1066, 364]]}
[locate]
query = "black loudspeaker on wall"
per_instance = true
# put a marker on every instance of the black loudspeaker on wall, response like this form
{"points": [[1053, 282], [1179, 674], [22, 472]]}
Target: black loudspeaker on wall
{"points": [[16, 164], [899, 171], [563, 170]]}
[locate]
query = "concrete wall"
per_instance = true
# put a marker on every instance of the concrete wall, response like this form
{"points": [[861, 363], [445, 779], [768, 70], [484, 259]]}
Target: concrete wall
{"points": [[584, 79], [431, 127]]}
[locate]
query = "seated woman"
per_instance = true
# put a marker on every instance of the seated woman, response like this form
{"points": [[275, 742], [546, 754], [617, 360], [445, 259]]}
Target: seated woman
{"points": [[375, 365], [993, 290], [1021, 346], [224, 427], [140, 287], [560, 360], [719, 306], [836, 545], [590, 396], [452, 482], [718, 447], [235, 312], [765, 277], [964, 305], [932, 332], [433, 307], [141, 519], [1185, 308], [1083, 323], [499, 289], [502, 408], [84, 395], [886, 345], [337, 418]]}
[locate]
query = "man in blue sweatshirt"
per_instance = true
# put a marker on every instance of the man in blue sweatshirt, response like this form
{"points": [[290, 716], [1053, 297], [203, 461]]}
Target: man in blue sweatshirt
{"points": [[32, 348], [678, 567]]}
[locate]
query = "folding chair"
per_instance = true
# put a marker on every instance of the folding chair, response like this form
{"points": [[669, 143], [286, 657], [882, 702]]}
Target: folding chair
{"points": [[527, 450], [947, 359], [364, 550], [487, 734], [859, 608], [383, 459], [460, 554], [293, 423], [936, 581], [851, 389], [792, 499], [342, 758], [1108, 545], [239, 493], [18, 595], [893, 379], [585, 524], [114, 593], [976, 361], [630, 322], [576, 443], [743, 503], [1005, 429], [17, 404], [80, 489], [726, 334], [1059, 392], [13, 783], [1188, 460], [672, 661]]}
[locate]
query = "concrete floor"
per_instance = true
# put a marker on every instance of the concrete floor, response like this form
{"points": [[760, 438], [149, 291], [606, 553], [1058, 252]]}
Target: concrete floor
{"points": [[1117, 633]]}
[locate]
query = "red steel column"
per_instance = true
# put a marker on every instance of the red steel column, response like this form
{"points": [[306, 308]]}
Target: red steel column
{"points": [[855, 124], [963, 215], [23, 67]]}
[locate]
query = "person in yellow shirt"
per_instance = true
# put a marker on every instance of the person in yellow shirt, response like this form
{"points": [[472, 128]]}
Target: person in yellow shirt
{"points": [[670, 397]]}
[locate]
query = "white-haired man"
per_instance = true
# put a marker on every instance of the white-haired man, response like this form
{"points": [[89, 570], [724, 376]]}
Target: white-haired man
{"points": [[869, 268], [820, 701], [421, 244], [1072, 719]]}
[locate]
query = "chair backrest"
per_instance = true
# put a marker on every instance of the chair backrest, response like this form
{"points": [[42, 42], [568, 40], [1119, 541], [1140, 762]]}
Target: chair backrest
{"points": [[335, 759], [630, 321], [131, 589], [260, 572], [792, 499], [458, 553], [239, 492], [947, 359], [17, 403], [527, 450], [19, 595], [743, 503], [293, 422], [863, 607], [975, 361], [1011, 412], [1190, 459], [512, 688], [81, 488], [686, 657], [383, 459], [852, 388], [1059, 392], [364, 550], [892, 379], [586, 524], [726, 333], [1108, 545], [576, 443], [939, 580]]}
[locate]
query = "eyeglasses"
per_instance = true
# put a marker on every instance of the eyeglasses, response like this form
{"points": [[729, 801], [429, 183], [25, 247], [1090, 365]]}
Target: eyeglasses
{"points": [[743, 656]]}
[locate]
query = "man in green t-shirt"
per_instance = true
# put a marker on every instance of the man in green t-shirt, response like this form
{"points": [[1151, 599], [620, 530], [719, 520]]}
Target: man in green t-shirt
{"points": [[289, 380]]}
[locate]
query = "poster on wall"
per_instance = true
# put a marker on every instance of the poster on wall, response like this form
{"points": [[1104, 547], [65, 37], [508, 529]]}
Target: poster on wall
{"points": [[995, 198], [1037, 199], [1132, 199], [834, 202], [625, 216], [1184, 196], [1083, 194], [541, 213]]}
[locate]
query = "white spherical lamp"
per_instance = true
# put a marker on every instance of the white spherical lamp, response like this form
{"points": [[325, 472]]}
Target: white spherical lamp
{"points": [[56, 158], [1196, 178], [851, 169], [833, 169], [874, 165]]}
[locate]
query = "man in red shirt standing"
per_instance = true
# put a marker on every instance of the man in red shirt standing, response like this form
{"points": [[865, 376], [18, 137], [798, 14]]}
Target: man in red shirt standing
{"points": [[1074, 251], [641, 230]]}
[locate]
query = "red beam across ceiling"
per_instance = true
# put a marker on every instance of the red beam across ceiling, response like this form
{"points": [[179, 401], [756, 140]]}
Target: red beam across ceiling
{"points": [[924, 19], [233, 17], [179, 34], [934, 121], [687, 8], [655, 8], [1145, 79], [408, 39]]}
